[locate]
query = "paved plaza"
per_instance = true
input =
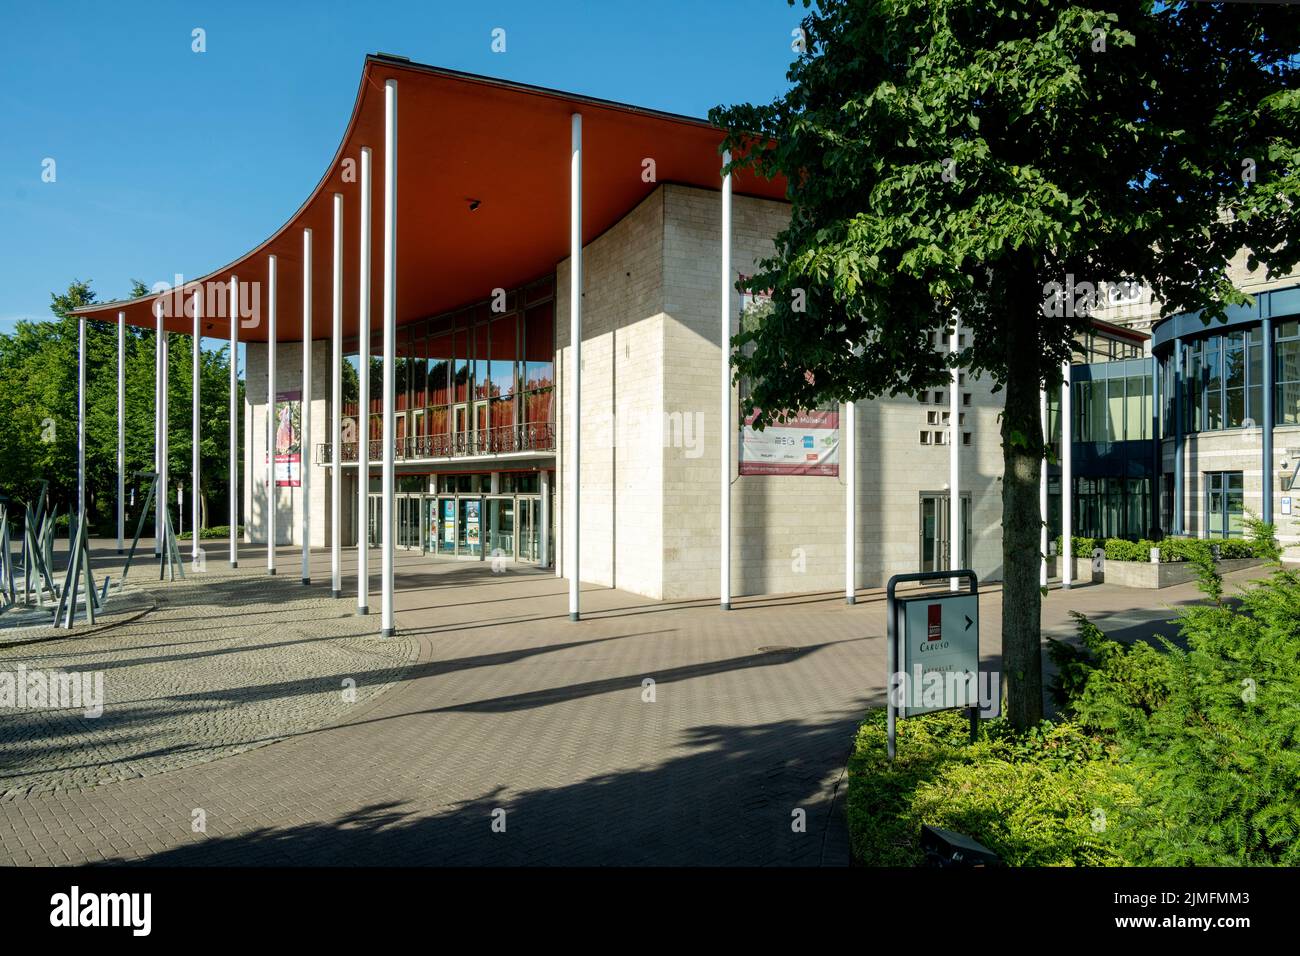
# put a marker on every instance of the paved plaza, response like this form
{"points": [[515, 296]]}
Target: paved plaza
{"points": [[492, 730]]}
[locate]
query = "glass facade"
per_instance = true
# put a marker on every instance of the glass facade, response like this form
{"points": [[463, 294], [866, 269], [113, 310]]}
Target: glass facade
{"points": [[1223, 380], [1111, 409], [479, 380], [1113, 451], [1286, 375]]}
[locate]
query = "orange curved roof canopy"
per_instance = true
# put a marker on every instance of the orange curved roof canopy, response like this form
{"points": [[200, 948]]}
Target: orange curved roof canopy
{"points": [[462, 140]]}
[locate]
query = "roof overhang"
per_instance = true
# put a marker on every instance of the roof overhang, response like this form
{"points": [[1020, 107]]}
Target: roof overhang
{"points": [[460, 138]]}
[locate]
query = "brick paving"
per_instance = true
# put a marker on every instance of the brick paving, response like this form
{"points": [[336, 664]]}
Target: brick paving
{"points": [[518, 737]]}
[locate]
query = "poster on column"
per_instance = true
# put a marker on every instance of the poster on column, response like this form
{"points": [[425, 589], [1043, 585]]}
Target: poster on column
{"points": [[807, 443], [288, 439]]}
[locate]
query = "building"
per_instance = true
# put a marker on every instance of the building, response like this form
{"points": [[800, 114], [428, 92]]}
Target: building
{"points": [[470, 259], [1185, 426], [531, 292]]}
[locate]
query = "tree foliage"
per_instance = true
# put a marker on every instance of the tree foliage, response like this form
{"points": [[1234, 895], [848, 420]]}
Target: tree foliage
{"points": [[38, 364], [975, 158]]}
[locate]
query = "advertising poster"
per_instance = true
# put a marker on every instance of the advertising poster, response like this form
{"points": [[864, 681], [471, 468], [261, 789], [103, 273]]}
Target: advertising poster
{"points": [[449, 521], [471, 522], [288, 439], [807, 444]]}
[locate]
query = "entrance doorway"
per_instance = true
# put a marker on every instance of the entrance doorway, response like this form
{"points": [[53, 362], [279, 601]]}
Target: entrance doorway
{"points": [[936, 532]]}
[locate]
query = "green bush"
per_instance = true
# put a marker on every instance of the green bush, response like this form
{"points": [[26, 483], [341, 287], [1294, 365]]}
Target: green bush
{"points": [[1032, 799], [216, 531], [1159, 756], [1083, 547], [1209, 737], [1121, 549]]}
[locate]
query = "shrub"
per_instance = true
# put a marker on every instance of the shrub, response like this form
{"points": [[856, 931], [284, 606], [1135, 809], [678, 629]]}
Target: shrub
{"points": [[1121, 549], [1032, 799], [216, 531], [1083, 547], [1207, 737]]}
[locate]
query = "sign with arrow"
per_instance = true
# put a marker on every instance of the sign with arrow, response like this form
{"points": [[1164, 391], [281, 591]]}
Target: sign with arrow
{"points": [[938, 652]]}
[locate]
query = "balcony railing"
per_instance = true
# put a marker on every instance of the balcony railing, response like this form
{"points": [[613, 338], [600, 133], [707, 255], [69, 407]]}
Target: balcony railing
{"points": [[504, 439]]}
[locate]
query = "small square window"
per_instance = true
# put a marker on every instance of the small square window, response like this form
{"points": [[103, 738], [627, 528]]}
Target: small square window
{"points": [[965, 399], [946, 417], [938, 398], [932, 418], [925, 438], [924, 398], [941, 438], [965, 438]]}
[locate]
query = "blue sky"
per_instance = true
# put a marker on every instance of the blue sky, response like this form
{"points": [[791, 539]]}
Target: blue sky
{"points": [[172, 161]]}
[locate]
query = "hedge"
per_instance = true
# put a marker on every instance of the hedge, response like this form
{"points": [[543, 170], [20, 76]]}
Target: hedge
{"points": [[1171, 549]]}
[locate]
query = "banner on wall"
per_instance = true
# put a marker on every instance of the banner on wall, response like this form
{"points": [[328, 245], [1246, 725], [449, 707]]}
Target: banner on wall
{"points": [[288, 439], [806, 444]]}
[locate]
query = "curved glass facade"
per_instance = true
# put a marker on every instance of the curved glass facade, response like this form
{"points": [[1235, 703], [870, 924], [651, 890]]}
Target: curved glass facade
{"points": [[1223, 380]]}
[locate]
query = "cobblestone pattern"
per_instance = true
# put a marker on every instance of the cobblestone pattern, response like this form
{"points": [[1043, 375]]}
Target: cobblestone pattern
{"points": [[222, 664], [518, 737]]}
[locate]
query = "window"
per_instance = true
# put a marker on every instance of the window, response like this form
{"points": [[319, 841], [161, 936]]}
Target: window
{"points": [[1223, 380], [965, 399], [965, 438], [938, 398], [925, 438], [924, 398], [932, 418], [1224, 504], [1286, 373]]}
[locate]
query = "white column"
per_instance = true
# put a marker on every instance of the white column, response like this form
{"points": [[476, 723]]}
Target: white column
{"points": [[305, 441], [1042, 489], [336, 401], [160, 499], [81, 421], [234, 421], [121, 431], [848, 452], [1066, 557], [271, 277], [363, 393], [725, 412], [955, 529], [572, 517], [164, 472], [545, 518], [195, 424], [386, 628]]}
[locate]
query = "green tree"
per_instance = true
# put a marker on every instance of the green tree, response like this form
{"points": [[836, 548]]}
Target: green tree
{"points": [[38, 363], [961, 156]]}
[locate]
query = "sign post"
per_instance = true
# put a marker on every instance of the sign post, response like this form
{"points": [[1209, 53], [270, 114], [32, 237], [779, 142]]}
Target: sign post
{"points": [[932, 644]]}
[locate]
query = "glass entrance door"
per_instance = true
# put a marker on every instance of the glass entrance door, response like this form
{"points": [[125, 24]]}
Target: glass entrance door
{"points": [[529, 530], [469, 527], [410, 532], [501, 527], [936, 533]]}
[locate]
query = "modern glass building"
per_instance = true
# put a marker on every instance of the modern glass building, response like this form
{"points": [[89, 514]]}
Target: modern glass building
{"points": [[1230, 416], [1193, 436]]}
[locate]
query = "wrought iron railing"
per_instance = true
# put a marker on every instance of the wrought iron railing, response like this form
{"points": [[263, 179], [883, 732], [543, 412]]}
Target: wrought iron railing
{"points": [[504, 439]]}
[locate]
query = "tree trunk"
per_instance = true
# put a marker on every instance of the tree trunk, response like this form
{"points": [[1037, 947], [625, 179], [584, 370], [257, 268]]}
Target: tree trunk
{"points": [[1022, 442]]}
